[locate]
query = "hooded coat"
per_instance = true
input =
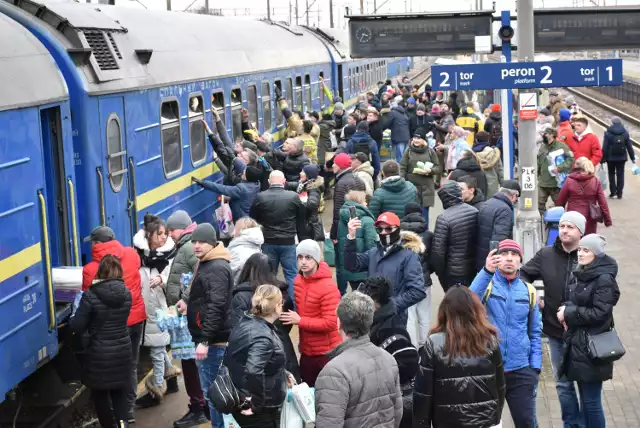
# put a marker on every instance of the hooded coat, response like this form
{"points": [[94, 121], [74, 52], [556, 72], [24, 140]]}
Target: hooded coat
{"points": [[358, 142], [130, 262], [416, 223], [586, 145], [578, 192], [470, 166], [589, 311], [366, 238], [345, 181], [393, 196], [489, 159], [365, 173], [103, 312], [495, 223], [610, 150], [183, 262], [154, 298], [398, 122], [424, 183], [454, 239], [244, 246], [494, 119]]}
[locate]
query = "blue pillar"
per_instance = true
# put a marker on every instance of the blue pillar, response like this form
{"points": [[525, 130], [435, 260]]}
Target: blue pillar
{"points": [[506, 51]]}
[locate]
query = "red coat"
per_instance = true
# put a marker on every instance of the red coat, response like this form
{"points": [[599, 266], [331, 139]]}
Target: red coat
{"points": [[565, 133], [130, 262], [317, 298], [578, 192], [588, 146]]}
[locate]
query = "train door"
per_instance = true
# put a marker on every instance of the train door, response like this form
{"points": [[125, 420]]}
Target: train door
{"points": [[55, 187], [117, 206], [340, 83]]}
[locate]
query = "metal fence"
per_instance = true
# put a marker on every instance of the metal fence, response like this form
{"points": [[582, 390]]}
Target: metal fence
{"points": [[628, 92]]}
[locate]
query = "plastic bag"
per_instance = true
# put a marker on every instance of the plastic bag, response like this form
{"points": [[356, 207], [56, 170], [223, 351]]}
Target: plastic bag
{"points": [[305, 401], [182, 346], [76, 302], [556, 158], [224, 218], [230, 422], [289, 417], [602, 176]]}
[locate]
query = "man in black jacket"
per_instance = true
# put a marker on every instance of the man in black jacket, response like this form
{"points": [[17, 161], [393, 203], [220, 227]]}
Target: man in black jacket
{"points": [[376, 125], [281, 214], [345, 181], [208, 307], [495, 220], [554, 266], [293, 158], [470, 192], [454, 239]]}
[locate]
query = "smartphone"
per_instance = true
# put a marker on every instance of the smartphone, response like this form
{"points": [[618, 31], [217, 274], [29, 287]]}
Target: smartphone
{"points": [[493, 245], [352, 212]]}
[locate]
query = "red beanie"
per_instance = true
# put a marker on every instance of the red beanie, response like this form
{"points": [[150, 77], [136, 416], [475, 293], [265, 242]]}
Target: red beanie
{"points": [[509, 245], [343, 161], [495, 108]]}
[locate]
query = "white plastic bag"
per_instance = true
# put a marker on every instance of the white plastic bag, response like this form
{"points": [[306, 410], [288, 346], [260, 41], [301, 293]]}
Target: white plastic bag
{"points": [[603, 176], [289, 417], [305, 401], [229, 421], [225, 221]]}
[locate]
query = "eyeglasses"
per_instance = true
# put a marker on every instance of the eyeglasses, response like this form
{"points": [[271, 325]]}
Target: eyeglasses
{"points": [[387, 229], [304, 257]]}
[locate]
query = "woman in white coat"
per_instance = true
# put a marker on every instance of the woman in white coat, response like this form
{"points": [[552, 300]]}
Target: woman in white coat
{"points": [[156, 250], [247, 241]]}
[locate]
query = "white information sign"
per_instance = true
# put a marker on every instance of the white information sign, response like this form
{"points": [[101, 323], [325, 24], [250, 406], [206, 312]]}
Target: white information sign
{"points": [[528, 179]]}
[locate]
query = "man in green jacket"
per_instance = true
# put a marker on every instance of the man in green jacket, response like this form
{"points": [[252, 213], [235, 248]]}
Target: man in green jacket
{"points": [[394, 194], [548, 169]]}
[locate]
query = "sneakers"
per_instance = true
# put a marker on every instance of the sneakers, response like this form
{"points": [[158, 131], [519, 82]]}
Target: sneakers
{"points": [[193, 418], [157, 392], [172, 371]]}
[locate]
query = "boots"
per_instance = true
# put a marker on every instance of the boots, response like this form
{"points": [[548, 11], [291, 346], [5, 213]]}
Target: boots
{"points": [[172, 372], [193, 418], [172, 385], [157, 392]]}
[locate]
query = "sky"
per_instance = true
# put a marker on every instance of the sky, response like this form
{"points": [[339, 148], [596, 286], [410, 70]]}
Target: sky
{"points": [[319, 9]]}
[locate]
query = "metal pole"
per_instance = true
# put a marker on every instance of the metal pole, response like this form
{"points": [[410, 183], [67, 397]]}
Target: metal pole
{"points": [[290, 13], [330, 13], [268, 9], [307, 13], [297, 14], [168, 4], [361, 7], [206, 5], [375, 6], [528, 221]]}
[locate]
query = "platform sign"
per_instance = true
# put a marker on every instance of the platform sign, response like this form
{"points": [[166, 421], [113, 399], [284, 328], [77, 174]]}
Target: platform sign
{"points": [[552, 74], [528, 105]]}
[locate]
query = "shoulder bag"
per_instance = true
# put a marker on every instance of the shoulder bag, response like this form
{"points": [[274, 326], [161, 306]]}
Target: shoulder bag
{"points": [[222, 392], [595, 212], [605, 347]]}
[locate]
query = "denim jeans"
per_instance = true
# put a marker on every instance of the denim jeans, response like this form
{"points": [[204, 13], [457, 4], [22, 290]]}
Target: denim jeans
{"points": [[208, 370], [161, 362], [591, 402], [399, 149], [520, 390], [135, 334], [419, 320], [284, 255], [425, 213], [566, 390]]}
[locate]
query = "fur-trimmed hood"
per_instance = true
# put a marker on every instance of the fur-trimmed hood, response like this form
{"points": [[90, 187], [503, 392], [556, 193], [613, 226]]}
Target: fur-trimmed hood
{"points": [[412, 241], [488, 157]]}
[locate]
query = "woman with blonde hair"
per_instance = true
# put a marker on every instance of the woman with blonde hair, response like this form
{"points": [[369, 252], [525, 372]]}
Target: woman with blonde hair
{"points": [[247, 240], [256, 361], [582, 192]]}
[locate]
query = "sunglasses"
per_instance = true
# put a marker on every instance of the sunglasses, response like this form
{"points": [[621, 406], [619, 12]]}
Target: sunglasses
{"points": [[387, 229]]}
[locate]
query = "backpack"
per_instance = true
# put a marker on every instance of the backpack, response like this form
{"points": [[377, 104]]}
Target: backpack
{"points": [[618, 145], [496, 134], [532, 301], [364, 147]]}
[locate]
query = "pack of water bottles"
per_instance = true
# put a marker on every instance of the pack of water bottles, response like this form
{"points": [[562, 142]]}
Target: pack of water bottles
{"points": [[182, 346]]}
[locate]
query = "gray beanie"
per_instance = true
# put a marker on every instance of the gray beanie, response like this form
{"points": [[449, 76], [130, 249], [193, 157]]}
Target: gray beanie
{"points": [[338, 106], [309, 247], [205, 233], [576, 219], [179, 220], [615, 120], [594, 242]]}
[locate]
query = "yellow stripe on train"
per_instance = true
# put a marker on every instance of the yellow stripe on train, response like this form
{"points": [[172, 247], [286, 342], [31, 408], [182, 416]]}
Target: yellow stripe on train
{"points": [[20, 261]]}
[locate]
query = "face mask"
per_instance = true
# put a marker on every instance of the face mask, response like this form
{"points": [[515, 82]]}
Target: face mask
{"points": [[391, 238]]}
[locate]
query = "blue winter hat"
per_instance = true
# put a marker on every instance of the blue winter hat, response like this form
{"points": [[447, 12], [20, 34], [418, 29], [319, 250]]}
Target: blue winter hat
{"points": [[565, 115], [311, 171], [411, 100], [239, 166]]}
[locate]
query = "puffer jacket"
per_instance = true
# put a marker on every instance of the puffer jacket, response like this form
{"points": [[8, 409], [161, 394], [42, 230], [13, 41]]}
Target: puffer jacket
{"points": [[424, 183], [362, 142], [416, 223], [495, 223], [256, 362], [345, 181], [365, 173], [310, 193], [292, 163], [184, 262], [281, 214], [130, 262], [103, 312], [545, 179], [478, 200], [578, 192], [376, 129], [398, 122], [491, 164], [566, 134], [453, 256], [241, 194], [400, 264], [471, 167], [324, 142], [587, 145], [469, 122], [589, 311], [366, 238], [359, 387], [154, 298], [244, 246], [494, 119], [393, 196], [294, 123], [519, 332], [317, 298], [310, 147], [210, 297], [461, 392], [610, 151]]}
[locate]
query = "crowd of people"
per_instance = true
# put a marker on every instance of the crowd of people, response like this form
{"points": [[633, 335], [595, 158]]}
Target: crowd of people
{"points": [[366, 341]]}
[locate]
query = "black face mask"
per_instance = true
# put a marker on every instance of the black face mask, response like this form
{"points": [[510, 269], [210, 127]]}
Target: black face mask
{"points": [[390, 239], [546, 139]]}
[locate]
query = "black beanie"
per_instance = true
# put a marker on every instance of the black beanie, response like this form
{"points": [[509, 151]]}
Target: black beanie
{"points": [[205, 233], [412, 207], [363, 126]]}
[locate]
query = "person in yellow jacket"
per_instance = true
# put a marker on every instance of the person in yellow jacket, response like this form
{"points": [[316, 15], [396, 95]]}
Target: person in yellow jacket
{"points": [[294, 122], [314, 117], [310, 143], [469, 122]]}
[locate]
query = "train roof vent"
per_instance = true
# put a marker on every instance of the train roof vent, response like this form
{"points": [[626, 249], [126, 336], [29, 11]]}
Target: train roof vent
{"points": [[114, 46], [101, 50]]}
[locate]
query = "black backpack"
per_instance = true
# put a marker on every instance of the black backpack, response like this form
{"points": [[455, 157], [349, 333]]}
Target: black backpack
{"points": [[364, 147], [618, 145], [496, 134]]}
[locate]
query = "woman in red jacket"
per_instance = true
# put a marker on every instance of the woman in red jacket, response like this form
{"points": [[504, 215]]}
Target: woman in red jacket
{"points": [[317, 297], [581, 190]]}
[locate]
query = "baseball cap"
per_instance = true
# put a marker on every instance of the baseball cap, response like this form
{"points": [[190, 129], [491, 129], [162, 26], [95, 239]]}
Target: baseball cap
{"points": [[101, 234], [389, 218], [511, 185]]}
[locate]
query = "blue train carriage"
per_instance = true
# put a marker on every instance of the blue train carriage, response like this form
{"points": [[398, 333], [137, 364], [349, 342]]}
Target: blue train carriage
{"points": [[38, 204]]}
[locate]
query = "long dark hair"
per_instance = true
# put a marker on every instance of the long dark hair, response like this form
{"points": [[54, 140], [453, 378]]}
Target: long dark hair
{"points": [[463, 318], [109, 268], [257, 271]]}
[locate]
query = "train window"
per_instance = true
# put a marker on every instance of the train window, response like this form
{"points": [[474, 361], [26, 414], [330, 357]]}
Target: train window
{"points": [[171, 138], [217, 102], [197, 138], [289, 95], [320, 90], [298, 100], [115, 153], [307, 83], [279, 117], [252, 104], [266, 106], [236, 114]]}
